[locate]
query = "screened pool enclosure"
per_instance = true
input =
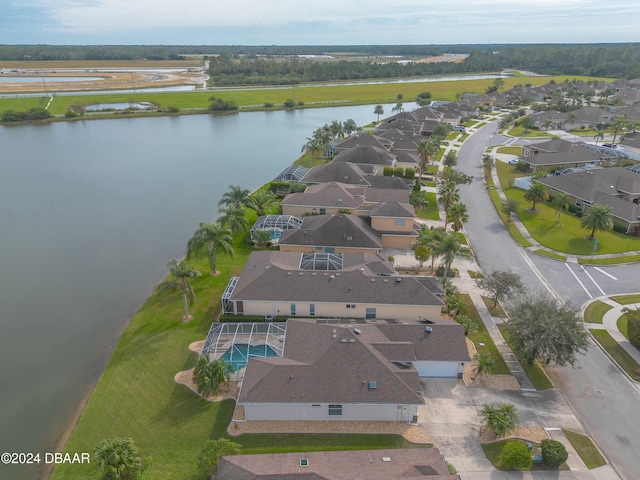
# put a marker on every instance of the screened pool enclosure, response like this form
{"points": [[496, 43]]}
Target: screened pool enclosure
{"points": [[275, 224], [237, 342]]}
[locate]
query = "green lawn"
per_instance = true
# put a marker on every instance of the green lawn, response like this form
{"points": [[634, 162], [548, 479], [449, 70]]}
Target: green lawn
{"points": [[623, 325], [595, 311], [588, 452], [497, 202], [609, 261], [431, 211], [566, 235], [137, 397], [496, 311], [482, 339], [547, 253], [627, 299], [535, 372], [619, 354]]}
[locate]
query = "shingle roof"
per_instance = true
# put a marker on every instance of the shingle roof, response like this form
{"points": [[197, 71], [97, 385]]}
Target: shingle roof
{"points": [[361, 138], [365, 154], [276, 276], [339, 230], [342, 172], [396, 464], [565, 153], [328, 195], [394, 210]]}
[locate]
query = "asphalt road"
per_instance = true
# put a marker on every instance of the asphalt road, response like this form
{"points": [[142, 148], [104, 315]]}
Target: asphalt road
{"points": [[606, 402]]}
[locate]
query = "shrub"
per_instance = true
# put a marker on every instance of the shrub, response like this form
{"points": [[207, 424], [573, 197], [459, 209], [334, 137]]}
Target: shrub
{"points": [[268, 104], [516, 456], [619, 228], [289, 103], [409, 173], [633, 327], [553, 453], [220, 105], [451, 273]]}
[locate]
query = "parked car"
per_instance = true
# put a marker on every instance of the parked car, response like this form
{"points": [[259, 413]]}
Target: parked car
{"points": [[610, 145], [459, 128], [513, 161]]}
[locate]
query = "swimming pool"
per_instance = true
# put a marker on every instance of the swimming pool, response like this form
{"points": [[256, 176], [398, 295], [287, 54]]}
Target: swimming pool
{"points": [[239, 354]]}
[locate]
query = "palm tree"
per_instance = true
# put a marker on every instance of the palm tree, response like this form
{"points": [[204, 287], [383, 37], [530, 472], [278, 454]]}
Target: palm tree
{"points": [[509, 207], [526, 124], [547, 124], [537, 192], [571, 118], [448, 194], [484, 364], [560, 201], [599, 135], [349, 126], [597, 218], [398, 108], [430, 239], [500, 418], [118, 458], [426, 148], [315, 147], [458, 216], [470, 326], [182, 273], [213, 237], [619, 125], [234, 218], [208, 374], [450, 248], [261, 200], [378, 110], [235, 196]]}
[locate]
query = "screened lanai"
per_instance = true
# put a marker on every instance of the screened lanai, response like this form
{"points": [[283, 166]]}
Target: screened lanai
{"points": [[237, 342], [275, 224], [294, 173]]}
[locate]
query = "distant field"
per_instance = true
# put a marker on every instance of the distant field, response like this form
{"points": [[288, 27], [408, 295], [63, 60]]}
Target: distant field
{"points": [[310, 95]]}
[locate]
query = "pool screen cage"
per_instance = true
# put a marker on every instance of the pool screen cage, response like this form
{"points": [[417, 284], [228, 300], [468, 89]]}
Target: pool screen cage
{"points": [[223, 337], [275, 224]]}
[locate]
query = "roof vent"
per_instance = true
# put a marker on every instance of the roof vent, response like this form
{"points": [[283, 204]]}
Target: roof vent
{"points": [[386, 459], [304, 462], [373, 385], [357, 331], [398, 279], [429, 329], [332, 277]]}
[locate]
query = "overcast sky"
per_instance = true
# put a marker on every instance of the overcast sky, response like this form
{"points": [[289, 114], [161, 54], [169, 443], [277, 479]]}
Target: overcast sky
{"points": [[317, 22]]}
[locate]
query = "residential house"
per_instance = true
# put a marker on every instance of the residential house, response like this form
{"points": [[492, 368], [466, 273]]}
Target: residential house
{"points": [[616, 187], [355, 285], [396, 464], [395, 222], [560, 153], [367, 155], [345, 371], [339, 233]]}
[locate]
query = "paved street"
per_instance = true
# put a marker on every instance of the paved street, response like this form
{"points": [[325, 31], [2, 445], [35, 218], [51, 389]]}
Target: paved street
{"points": [[606, 402]]}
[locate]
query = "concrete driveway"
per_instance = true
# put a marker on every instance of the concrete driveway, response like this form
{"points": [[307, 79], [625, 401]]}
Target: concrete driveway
{"points": [[450, 418]]}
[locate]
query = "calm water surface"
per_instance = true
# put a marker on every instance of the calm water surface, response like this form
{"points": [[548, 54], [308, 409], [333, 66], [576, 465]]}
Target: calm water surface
{"points": [[90, 213]]}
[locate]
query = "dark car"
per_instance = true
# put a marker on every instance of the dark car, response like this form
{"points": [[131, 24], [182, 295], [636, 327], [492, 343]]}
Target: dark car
{"points": [[610, 145]]}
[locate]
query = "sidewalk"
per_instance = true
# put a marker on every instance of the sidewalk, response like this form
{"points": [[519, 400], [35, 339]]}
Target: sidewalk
{"points": [[610, 324]]}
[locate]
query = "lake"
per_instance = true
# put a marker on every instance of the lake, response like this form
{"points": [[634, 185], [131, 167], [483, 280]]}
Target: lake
{"points": [[90, 214]]}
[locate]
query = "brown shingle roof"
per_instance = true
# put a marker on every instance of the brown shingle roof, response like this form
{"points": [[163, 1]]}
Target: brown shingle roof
{"points": [[396, 464]]}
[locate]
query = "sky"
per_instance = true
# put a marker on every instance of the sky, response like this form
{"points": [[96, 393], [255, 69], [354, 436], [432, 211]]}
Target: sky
{"points": [[317, 22]]}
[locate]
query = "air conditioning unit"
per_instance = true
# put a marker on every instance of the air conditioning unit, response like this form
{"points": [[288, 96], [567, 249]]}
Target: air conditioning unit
{"points": [[429, 329]]}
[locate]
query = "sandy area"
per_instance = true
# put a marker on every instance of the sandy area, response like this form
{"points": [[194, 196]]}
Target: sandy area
{"points": [[530, 434], [227, 390]]}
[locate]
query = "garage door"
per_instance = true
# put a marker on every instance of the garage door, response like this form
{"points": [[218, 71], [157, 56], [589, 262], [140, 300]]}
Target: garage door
{"points": [[437, 369]]}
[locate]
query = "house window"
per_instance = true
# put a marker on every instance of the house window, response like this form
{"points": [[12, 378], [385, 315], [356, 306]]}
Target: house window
{"points": [[350, 305], [335, 409], [399, 222], [370, 313], [312, 309], [323, 211], [293, 309]]}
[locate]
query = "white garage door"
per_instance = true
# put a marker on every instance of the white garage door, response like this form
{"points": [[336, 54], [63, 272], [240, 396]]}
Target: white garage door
{"points": [[437, 369]]}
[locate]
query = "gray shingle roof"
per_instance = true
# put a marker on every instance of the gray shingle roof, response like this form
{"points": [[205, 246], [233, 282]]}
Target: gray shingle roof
{"points": [[338, 230], [276, 276], [333, 363]]}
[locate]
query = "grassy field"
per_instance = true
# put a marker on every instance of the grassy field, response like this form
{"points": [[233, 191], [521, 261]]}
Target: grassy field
{"points": [[619, 354], [566, 235], [595, 311], [554, 255], [588, 452], [431, 211], [310, 95], [482, 339]]}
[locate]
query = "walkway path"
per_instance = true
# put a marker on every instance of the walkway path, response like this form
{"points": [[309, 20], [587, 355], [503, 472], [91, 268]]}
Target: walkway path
{"points": [[610, 324]]}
